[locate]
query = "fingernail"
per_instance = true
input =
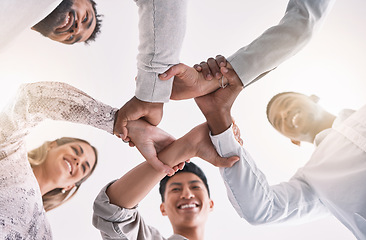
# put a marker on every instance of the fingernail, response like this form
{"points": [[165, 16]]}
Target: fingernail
{"points": [[164, 75], [222, 64], [225, 70], [209, 76]]}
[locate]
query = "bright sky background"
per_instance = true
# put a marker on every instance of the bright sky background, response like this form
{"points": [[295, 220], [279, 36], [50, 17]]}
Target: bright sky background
{"points": [[331, 66]]}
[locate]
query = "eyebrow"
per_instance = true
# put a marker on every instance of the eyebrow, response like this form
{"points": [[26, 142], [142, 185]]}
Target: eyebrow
{"points": [[75, 150], [88, 26], [91, 21], [75, 40], [81, 149], [180, 184]]}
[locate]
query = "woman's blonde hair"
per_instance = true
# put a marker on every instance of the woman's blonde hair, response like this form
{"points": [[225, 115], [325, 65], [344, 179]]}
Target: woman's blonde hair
{"points": [[56, 197]]}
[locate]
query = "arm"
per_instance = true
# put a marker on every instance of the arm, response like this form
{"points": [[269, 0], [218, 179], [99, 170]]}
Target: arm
{"points": [[247, 187], [162, 27], [277, 44], [274, 46], [36, 102], [113, 206], [144, 177], [254, 199]]}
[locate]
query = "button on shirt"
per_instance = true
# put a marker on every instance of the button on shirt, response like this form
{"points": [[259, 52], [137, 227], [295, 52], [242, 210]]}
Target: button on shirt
{"points": [[332, 181]]}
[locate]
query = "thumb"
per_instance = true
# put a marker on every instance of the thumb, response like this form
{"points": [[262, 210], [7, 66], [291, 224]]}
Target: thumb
{"points": [[171, 72], [225, 162], [232, 78], [159, 165]]}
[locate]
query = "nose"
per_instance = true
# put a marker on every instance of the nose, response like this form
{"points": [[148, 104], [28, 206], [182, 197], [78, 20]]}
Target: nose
{"points": [[76, 28], [187, 194], [284, 114], [77, 161]]}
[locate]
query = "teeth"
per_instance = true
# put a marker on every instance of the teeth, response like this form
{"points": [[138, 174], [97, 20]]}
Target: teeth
{"points": [[67, 21], [294, 120], [68, 164], [188, 206]]}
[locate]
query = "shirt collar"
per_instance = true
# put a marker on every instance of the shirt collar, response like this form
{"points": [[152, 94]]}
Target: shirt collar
{"points": [[343, 115], [177, 237]]}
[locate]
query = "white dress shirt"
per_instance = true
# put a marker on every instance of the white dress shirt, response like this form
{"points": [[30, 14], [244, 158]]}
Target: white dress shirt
{"points": [[332, 181], [19, 15]]}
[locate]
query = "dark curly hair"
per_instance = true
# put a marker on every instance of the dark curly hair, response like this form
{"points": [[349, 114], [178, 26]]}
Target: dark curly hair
{"points": [[98, 24]]}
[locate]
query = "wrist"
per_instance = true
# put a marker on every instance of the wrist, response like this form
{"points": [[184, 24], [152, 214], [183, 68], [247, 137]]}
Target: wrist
{"points": [[218, 121]]}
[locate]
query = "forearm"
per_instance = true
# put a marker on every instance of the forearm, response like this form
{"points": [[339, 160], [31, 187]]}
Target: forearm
{"points": [[218, 121], [162, 25], [36, 102], [252, 196], [282, 41], [131, 188]]}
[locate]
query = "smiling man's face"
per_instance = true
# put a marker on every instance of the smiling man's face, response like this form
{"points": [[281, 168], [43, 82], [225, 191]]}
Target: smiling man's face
{"points": [[187, 203], [295, 115], [71, 22]]}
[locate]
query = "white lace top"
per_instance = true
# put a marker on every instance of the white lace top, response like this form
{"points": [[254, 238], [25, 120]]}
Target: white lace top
{"points": [[21, 210]]}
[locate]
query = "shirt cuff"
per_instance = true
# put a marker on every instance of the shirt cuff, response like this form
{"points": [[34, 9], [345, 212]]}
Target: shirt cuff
{"points": [[225, 143], [149, 88]]}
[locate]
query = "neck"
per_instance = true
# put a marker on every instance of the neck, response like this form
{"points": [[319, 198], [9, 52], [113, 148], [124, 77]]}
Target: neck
{"points": [[192, 233], [41, 177], [325, 123]]}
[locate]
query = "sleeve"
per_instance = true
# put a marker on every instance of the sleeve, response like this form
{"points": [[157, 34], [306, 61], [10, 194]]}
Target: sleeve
{"points": [[162, 25], [114, 222], [277, 44], [36, 102], [22, 15], [253, 198]]}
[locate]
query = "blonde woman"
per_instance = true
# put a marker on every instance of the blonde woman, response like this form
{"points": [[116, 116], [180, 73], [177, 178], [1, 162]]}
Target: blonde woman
{"points": [[34, 182]]}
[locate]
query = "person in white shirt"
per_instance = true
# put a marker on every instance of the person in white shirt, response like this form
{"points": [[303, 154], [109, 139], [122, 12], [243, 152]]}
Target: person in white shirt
{"points": [[65, 21], [331, 182]]}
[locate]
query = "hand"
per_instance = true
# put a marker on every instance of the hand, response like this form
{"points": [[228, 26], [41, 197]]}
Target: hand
{"points": [[136, 109], [211, 68], [199, 141], [188, 83], [150, 140], [216, 106]]}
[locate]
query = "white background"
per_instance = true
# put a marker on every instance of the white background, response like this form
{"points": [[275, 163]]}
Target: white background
{"points": [[331, 66]]}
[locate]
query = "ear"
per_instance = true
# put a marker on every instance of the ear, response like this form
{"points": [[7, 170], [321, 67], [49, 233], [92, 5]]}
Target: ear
{"points": [[211, 205], [314, 98], [68, 188], [162, 209], [53, 144], [296, 142]]}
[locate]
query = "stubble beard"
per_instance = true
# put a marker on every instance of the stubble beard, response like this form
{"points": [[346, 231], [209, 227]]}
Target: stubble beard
{"points": [[55, 18]]}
